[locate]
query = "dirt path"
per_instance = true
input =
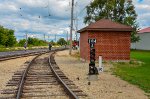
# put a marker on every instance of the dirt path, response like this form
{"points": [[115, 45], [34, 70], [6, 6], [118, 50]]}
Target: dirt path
{"points": [[107, 87]]}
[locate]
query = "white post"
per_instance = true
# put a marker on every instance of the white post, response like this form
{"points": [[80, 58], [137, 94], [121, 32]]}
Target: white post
{"points": [[100, 61], [100, 68]]}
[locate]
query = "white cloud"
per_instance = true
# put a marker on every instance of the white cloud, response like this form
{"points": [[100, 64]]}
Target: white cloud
{"points": [[27, 19], [8, 6], [143, 11], [25, 24], [32, 3]]}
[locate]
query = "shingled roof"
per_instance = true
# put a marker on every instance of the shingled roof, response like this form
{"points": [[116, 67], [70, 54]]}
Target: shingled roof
{"points": [[145, 30], [106, 25]]}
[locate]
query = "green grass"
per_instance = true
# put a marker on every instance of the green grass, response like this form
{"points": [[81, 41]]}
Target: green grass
{"points": [[137, 71]]}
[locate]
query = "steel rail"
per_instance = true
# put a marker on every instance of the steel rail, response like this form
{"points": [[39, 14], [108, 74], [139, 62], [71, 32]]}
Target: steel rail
{"points": [[69, 91], [20, 89], [4, 58], [22, 81], [19, 56]]}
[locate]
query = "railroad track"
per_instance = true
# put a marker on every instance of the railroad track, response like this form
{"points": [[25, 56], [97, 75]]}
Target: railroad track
{"points": [[4, 58], [15, 56], [41, 79]]}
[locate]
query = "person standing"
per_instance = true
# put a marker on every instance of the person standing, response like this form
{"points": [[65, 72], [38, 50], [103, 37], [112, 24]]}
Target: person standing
{"points": [[25, 45], [50, 46]]}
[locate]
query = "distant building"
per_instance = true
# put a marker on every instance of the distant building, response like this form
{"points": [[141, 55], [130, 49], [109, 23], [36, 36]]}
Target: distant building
{"points": [[112, 40], [144, 43]]}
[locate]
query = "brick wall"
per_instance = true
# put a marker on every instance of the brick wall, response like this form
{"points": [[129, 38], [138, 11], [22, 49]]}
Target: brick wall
{"points": [[111, 45], [83, 45]]}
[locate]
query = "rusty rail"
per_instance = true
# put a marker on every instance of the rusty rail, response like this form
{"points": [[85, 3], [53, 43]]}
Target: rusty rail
{"points": [[69, 91], [20, 89], [55, 71], [19, 56]]}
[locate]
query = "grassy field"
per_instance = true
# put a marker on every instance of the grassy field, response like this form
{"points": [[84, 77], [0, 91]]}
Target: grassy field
{"points": [[137, 71]]}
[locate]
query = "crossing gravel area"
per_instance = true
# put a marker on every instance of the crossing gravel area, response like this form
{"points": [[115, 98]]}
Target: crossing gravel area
{"points": [[107, 86], [7, 69]]}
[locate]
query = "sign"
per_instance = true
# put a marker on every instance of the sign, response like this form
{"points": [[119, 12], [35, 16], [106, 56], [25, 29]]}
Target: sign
{"points": [[100, 69], [92, 41], [91, 45]]}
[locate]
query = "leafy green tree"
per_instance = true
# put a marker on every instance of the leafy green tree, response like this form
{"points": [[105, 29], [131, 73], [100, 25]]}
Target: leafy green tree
{"points": [[32, 42], [3, 37], [11, 41], [7, 37], [53, 43], [122, 11], [22, 42], [61, 41]]}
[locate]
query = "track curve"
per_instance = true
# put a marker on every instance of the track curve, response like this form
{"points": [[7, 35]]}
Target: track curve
{"points": [[39, 79]]}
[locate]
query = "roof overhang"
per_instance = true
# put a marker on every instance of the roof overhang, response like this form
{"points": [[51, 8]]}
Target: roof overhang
{"points": [[106, 29]]}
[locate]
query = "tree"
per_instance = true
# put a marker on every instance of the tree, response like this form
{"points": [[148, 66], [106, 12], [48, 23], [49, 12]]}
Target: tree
{"points": [[22, 42], [122, 11], [61, 41], [33, 42], [53, 43], [11, 41], [7, 37]]}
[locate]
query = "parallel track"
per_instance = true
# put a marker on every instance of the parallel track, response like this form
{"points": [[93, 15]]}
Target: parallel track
{"points": [[42, 79], [21, 55]]}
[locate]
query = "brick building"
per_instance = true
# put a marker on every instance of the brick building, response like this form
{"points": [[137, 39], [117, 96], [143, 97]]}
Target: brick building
{"points": [[112, 40]]}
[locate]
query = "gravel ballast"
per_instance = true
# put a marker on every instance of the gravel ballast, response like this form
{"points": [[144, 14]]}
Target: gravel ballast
{"points": [[7, 69], [107, 86]]}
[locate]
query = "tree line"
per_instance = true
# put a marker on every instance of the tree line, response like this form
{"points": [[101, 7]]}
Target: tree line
{"points": [[38, 42], [8, 39]]}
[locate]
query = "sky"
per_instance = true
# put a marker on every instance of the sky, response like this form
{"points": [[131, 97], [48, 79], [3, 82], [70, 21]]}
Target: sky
{"points": [[52, 17]]}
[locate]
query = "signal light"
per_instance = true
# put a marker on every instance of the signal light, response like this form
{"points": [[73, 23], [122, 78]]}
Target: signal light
{"points": [[92, 55], [92, 69]]}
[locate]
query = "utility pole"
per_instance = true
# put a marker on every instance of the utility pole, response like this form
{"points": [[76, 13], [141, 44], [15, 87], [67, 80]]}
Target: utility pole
{"points": [[71, 27], [44, 37], [76, 29], [48, 39], [76, 23], [26, 37], [55, 38], [67, 36]]}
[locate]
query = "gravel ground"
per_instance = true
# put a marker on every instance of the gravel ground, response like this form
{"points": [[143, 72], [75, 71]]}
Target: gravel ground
{"points": [[106, 87], [7, 69]]}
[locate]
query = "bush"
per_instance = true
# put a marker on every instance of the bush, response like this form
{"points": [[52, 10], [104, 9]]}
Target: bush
{"points": [[33, 42], [61, 41]]}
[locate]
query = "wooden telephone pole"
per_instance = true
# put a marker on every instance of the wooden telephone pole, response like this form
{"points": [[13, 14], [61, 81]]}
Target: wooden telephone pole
{"points": [[71, 27]]}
